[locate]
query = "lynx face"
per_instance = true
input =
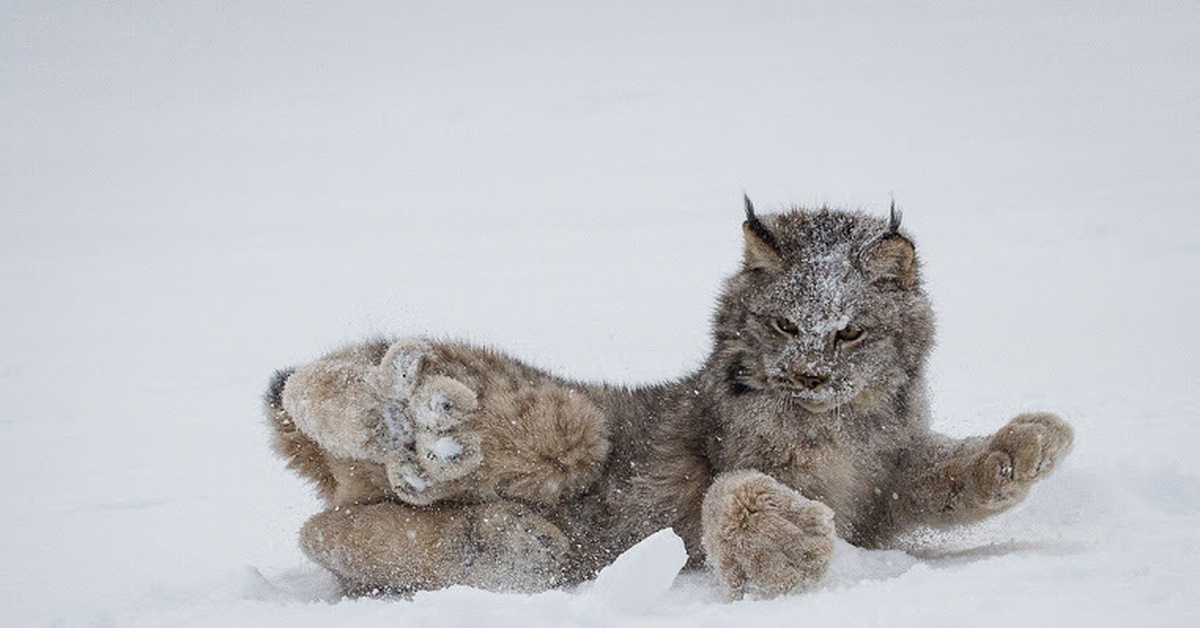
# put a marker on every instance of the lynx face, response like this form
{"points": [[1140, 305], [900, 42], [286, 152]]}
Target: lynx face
{"points": [[827, 311]]}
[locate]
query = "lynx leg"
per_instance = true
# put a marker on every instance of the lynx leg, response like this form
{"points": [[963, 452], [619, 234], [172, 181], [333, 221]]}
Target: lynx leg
{"points": [[763, 538], [394, 548], [965, 481], [544, 443], [405, 408]]}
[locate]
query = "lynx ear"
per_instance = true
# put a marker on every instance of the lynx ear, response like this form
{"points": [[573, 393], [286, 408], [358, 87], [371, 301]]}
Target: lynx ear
{"points": [[890, 256], [762, 250]]}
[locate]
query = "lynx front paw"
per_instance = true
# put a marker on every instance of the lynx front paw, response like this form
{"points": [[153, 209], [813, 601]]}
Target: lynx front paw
{"points": [[1021, 453], [425, 433], [763, 538]]}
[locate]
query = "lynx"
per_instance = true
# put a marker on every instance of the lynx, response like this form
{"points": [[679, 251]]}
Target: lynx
{"points": [[443, 463]]}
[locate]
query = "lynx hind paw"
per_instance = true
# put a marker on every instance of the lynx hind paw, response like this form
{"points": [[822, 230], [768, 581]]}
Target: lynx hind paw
{"points": [[435, 442], [1021, 453], [763, 538]]}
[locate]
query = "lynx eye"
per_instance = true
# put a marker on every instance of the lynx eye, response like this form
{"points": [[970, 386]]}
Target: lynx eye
{"points": [[849, 333], [786, 327]]}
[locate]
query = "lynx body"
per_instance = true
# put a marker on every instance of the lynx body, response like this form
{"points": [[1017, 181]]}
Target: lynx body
{"points": [[445, 463]]}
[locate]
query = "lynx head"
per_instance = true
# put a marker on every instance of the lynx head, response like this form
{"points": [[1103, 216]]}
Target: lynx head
{"points": [[827, 310]]}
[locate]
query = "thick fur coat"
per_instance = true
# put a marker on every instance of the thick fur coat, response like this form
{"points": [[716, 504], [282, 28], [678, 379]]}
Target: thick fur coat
{"points": [[444, 463]]}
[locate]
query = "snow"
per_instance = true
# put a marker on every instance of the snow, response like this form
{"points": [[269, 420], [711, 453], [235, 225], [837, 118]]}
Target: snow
{"points": [[640, 577], [192, 197]]}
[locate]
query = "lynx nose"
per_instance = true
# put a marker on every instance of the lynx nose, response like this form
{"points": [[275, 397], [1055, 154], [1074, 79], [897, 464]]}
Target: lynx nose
{"points": [[810, 380]]}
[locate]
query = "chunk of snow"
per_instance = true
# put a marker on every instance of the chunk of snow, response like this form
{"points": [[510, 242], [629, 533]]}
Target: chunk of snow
{"points": [[641, 577], [852, 565]]}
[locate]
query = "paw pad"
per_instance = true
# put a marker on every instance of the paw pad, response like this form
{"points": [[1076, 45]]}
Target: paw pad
{"points": [[446, 448]]}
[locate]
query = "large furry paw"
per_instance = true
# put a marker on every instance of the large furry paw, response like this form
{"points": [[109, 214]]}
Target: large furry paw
{"points": [[1019, 454], [425, 434], [513, 549], [763, 538], [388, 547]]}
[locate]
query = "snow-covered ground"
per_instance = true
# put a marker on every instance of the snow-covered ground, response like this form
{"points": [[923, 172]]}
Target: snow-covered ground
{"points": [[192, 196]]}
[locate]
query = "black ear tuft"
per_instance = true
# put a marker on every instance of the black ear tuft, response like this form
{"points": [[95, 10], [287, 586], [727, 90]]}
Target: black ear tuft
{"points": [[757, 227], [762, 249], [890, 256]]}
